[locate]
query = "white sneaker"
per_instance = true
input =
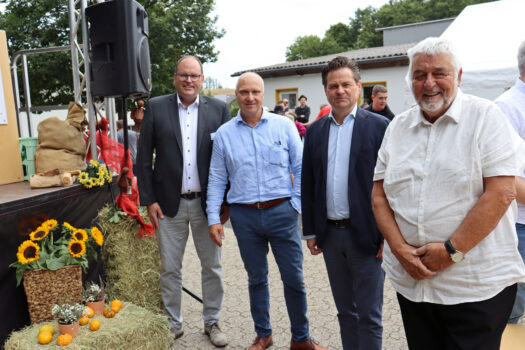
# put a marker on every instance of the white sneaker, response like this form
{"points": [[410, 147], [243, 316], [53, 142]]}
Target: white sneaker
{"points": [[217, 337]]}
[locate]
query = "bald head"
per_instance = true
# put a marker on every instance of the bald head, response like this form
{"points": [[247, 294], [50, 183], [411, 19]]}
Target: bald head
{"points": [[250, 76], [250, 95]]}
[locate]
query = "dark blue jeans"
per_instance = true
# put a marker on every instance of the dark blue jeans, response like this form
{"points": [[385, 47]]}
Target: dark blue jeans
{"points": [[519, 303], [277, 227], [357, 283]]}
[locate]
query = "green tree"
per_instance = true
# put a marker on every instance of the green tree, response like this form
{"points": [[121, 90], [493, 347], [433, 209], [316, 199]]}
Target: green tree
{"points": [[177, 27], [310, 46], [361, 31], [341, 34]]}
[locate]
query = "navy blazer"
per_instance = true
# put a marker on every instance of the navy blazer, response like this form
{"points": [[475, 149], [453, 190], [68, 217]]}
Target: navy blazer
{"points": [[367, 135], [161, 181]]}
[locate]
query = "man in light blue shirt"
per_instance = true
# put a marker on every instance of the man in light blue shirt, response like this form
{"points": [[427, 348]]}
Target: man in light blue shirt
{"points": [[512, 103], [255, 152]]}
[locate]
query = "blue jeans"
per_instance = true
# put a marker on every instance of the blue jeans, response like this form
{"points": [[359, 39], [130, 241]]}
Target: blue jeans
{"points": [[278, 227], [519, 304], [357, 283]]}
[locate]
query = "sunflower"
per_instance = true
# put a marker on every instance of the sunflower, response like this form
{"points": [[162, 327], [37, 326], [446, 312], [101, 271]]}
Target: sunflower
{"points": [[76, 248], [83, 177], [80, 235], [27, 252], [39, 234], [67, 225], [88, 183], [49, 224], [97, 235], [94, 163]]}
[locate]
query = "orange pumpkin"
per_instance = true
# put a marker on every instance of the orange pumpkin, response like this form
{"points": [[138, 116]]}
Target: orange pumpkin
{"points": [[109, 312], [84, 321], [94, 325], [64, 339], [116, 305], [45, 337]]}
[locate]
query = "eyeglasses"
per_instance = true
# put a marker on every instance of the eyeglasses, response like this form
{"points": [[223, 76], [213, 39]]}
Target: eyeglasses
{"points": [[193, 77]]}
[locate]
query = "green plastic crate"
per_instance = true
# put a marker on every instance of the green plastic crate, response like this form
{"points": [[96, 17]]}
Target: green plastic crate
{"points": [[27, 149]]}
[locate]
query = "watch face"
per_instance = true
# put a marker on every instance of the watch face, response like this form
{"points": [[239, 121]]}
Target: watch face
{"points": [[457, 256]]}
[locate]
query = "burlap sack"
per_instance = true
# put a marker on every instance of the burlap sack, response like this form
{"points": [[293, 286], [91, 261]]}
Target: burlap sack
{"points": [[61, 143], [48, 159]]}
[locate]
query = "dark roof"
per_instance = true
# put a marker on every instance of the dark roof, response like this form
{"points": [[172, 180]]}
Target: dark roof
{"points": [[371, 54]]}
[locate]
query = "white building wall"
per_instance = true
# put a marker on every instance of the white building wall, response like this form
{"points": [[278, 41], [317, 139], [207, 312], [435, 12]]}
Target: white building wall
{"points": [[311, 86]]}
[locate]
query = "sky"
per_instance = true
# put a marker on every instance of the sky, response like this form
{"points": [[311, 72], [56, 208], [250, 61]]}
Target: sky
{"points": [[258, 32]]}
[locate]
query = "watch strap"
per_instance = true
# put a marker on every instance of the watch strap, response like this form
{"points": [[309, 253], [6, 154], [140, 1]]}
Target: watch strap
{"points": [[449, 247]]}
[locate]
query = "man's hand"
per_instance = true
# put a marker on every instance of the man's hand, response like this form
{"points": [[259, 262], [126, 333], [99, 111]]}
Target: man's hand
{"points": [[379, 254], [312, 245], [217, 234], [225, 213], [411, 262], [154, 212], [434, 256]]}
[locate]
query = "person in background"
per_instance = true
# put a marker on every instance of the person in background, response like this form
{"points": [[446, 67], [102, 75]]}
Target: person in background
{"points": [[379, 98], [254, 152], [444, 180], [302, 111], [512, 103], [324, 110], [300, 127], [285, 105]]}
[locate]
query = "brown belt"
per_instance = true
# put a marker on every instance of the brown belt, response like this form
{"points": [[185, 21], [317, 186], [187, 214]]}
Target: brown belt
{"points": [[265, 205]]}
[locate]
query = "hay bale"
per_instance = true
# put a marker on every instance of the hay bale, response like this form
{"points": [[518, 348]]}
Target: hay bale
{"points": [[132, 263], [132, 328]]}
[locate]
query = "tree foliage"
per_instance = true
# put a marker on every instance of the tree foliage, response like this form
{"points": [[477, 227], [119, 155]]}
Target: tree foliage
{"points": [[361, 29], [177, 27], [310, 46]]}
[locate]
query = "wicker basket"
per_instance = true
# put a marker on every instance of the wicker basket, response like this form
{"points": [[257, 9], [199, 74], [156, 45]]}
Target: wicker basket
{"points": [[44, 288]]}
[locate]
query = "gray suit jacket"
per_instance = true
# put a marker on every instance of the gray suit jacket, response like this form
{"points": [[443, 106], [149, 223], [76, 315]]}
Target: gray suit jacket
{"points": [[160, 132]]}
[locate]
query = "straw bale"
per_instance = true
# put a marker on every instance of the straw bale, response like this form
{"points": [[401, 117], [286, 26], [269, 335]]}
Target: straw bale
{"points": [[132, 263], [133, 327]]}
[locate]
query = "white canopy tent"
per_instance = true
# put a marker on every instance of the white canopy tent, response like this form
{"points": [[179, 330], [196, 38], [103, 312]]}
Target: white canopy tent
{"points": [[487, 37]]}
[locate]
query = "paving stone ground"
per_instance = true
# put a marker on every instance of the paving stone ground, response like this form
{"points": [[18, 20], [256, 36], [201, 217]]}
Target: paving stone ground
{"points": [[236, 320]]}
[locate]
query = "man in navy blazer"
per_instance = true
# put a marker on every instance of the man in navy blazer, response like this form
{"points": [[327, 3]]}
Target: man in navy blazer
{"points": [[340, 153], [179, 128]]}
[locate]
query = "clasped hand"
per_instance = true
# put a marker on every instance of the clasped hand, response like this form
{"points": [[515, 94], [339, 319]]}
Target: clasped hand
{"points": [[423, 262]]}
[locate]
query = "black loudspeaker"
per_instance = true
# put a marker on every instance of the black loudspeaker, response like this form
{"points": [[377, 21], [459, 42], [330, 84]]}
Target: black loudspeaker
{"points": [[119, 49]]}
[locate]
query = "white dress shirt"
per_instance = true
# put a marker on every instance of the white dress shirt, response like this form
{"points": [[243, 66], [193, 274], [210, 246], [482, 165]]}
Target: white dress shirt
{"points": [[433, 175], [512, 103], [188, 118]]}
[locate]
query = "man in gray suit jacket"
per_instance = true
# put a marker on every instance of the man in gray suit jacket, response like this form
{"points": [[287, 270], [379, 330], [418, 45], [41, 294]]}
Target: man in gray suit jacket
{"points": [[179, 129]]}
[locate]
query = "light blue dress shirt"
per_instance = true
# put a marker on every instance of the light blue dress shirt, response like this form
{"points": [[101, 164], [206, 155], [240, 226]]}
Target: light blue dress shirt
{"points": [[257, 162], [339, 144]]}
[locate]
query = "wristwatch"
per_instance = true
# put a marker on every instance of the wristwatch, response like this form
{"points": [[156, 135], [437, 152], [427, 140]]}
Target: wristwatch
{"points": [[455, 255]]}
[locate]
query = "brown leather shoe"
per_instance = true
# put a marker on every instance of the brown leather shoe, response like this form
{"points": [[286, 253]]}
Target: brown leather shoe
{"points": [[310, 344], [261, 343]]}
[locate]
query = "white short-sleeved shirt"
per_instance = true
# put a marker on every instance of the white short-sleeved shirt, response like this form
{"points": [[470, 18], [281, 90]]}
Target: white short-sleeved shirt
{"points": [[433, 175]]}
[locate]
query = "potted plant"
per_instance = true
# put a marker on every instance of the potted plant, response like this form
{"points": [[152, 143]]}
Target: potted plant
{"points": [[67, 315], [95, 296], [50, 263]]}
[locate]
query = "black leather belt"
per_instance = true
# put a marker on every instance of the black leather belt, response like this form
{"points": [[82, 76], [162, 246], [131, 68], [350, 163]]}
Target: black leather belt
{"points": [[265, 205], [344, 223], [190, 195]]}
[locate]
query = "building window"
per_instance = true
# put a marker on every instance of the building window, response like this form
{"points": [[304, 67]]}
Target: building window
{"points": [[366, 93], [290, 94]]}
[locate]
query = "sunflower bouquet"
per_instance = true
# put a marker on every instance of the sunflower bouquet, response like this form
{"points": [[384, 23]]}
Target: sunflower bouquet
{"points": [[95, 175], [52, 246]]}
